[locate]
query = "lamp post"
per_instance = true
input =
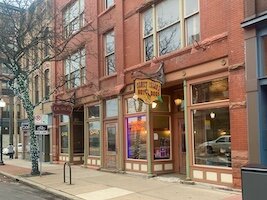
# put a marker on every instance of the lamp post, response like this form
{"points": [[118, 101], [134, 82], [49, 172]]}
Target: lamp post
{"points": [[2, 105]]}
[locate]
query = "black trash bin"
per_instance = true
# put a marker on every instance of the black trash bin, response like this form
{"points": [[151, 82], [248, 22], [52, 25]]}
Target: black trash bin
{"points": [[254, 182]]}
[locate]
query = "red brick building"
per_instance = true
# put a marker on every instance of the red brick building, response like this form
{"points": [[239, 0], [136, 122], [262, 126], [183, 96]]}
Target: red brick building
{"points": [[198, 125]]}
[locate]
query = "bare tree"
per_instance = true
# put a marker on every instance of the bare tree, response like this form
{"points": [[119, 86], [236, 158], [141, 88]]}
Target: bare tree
{"points": [[29, 39]]}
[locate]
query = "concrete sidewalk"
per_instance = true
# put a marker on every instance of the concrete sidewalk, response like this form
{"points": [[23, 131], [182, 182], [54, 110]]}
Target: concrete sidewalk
{"points": [[88, 184]]}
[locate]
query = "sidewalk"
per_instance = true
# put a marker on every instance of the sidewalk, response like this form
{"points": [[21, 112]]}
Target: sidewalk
{"points": [[88, 184]]}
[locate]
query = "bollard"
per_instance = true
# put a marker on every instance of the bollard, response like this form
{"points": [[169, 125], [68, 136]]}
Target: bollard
{"points": [[64, 171]]}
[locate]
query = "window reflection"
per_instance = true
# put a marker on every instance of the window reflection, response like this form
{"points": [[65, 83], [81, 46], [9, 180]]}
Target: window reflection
{"points": [[136, 136], [212, 138], [214, 90]]}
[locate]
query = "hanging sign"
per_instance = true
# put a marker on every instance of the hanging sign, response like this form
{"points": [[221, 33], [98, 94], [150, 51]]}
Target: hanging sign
{"points": [[147, 90], [61, 109]]}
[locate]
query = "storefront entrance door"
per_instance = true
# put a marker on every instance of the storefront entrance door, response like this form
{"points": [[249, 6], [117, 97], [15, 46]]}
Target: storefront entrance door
{"points": [[111, 135]]}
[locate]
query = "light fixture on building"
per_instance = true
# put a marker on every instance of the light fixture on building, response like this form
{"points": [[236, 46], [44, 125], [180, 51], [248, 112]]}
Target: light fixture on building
{"points": [[212, 115], [178, 102], [154, 104]]}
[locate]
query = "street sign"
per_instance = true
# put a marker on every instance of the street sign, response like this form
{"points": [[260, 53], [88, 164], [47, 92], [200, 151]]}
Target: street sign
{"points": [[41, 119], [41, 130], [25, 126]]}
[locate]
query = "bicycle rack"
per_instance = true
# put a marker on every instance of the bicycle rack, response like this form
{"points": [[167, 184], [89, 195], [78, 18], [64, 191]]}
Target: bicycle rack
{"points": [[64, 171]]}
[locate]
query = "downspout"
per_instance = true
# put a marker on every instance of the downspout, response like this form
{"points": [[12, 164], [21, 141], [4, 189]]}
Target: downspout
{"points": [[149, 155], [186, 133]]}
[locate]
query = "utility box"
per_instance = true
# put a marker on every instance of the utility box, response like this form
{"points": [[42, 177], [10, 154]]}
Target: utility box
{"points": [[254, 182]]}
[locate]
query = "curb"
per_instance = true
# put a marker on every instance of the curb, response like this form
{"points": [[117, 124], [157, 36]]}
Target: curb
{"points": [[57, 193]]}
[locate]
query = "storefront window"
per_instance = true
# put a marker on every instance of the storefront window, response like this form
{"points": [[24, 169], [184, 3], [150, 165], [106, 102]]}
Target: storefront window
{"points": [[162, 137], [64, 138], [93, 112], [136, 136], [163, 106], [112, 108], [64, 118], [134, 106], [214, 90], [94, 138], [212, 138], [264, 50]]}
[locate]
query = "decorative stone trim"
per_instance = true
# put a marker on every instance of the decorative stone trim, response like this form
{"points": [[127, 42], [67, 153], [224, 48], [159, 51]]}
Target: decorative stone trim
{"points": [[236, 67], [236, 105]]}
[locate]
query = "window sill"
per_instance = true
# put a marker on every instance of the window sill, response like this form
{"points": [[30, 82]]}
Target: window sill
{"points": [[106, 10], [108, 77]]}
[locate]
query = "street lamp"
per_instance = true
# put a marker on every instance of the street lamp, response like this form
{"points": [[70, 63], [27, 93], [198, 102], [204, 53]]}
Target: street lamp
{"points": [[2, 105]]}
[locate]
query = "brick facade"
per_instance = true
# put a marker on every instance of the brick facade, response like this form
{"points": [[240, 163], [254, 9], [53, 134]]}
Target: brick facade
{"points": [[221, 42]]}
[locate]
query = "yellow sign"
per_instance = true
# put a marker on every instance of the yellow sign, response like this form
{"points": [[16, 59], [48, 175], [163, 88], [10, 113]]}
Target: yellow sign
{"points": [[147, 90]]}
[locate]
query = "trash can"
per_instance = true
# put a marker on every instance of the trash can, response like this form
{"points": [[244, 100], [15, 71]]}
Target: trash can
{"points": [[254, 182]]}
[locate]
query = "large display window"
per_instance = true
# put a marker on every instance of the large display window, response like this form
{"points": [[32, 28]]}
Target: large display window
{"points": [[94, 129], [136, 137], [162, 137], [64, 133], [211, 123], [64, 138]]}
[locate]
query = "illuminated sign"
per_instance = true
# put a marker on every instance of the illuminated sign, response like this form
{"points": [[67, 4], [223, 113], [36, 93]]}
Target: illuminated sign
{"points": [[147, 90]]}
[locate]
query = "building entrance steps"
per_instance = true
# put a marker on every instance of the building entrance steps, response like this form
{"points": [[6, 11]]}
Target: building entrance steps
{"points": [[89, 184]]}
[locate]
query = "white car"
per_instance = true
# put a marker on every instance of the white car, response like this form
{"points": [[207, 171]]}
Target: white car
{"points": [[222, 144], [5, 150]]}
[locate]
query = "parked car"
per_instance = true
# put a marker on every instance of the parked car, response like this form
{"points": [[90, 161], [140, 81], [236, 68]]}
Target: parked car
{"points": [[5, 150], [221, 144]]}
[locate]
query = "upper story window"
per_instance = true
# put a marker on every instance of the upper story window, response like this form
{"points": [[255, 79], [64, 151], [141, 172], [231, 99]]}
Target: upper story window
{"points": [[36, 85], [110, 67], [166, 28], [46, 83], [109, 3], [75, 69], [73, 17]]}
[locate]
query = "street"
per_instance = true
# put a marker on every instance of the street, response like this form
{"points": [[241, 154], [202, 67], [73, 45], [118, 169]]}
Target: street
{"points": [[12, 190]]}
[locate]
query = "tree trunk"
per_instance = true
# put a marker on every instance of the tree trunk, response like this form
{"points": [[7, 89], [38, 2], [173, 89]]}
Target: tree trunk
{"points": [[33, 141]]}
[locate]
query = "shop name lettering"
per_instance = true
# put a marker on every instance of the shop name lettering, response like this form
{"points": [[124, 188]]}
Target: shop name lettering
{"points": [[62, 109], [148, 88]]}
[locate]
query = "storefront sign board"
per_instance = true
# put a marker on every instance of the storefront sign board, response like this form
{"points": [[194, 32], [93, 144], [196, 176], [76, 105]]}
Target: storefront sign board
{"points": [[147, 90], [62, 109]]}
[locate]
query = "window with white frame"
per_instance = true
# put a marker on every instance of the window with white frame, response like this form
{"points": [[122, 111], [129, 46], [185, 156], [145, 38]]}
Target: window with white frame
{"points": [[73, 17], [109, 3], [170, 25], [75, 69], [110, 67]]}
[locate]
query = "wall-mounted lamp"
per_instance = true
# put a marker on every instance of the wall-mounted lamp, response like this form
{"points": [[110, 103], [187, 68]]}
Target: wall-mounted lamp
{"points": [[154, 104], [212, 115], [178, 102]]}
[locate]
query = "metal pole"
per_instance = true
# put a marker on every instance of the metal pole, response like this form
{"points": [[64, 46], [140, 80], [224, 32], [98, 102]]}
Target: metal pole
{"points": [[186, 133], [149, 155], [1, 143]]}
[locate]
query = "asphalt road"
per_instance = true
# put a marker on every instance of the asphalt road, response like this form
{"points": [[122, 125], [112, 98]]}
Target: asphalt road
{"points": [[13, 190]]}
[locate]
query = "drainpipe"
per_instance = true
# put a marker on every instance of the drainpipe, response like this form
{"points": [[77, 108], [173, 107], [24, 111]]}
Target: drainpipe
{"points": [[186, 133], [121, 131], [101, 134], [149, 155], [86, 136]]}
